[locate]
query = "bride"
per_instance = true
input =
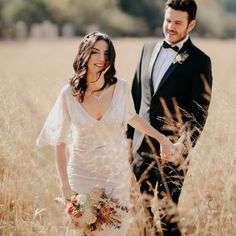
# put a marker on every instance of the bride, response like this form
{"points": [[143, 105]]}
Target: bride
{"points": [[88, 121]]}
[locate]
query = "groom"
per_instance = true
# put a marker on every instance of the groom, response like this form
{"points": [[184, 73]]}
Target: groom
{"points": [[172, 75]]}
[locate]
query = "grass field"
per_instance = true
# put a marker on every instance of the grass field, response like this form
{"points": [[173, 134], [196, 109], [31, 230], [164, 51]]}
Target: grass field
{"points": [[31, 75]]}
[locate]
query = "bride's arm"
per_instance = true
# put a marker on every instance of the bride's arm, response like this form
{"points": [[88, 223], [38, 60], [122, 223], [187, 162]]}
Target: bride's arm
{"points": [[142, 126], [61, 164]]}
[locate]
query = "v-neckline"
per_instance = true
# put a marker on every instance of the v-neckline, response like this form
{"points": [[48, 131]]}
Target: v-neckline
{"points": [[107, 110]]}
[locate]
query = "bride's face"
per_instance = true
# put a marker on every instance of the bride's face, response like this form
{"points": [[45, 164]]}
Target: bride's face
{"points": [[98, 57]]}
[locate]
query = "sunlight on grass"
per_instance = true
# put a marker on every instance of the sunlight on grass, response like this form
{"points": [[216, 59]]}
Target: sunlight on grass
{"points": [[32, 74]]}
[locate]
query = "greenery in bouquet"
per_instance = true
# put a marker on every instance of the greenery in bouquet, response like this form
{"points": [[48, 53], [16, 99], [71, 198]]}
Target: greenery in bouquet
{"points": [[92, 211]]}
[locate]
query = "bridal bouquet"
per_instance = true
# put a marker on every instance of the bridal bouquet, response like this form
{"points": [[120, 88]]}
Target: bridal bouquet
{"points": [[90, 212]]}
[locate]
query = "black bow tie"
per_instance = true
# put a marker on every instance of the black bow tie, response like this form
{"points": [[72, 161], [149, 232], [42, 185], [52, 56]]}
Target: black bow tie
{"points": [[167, 45]]}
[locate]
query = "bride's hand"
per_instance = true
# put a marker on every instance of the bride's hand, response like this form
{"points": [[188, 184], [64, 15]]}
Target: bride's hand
{"points": [[172, 152], [65, 195], [66, 192], [168, 150]]}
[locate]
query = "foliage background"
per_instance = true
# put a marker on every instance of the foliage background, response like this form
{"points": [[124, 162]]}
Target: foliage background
{"points": [[216, 18]]}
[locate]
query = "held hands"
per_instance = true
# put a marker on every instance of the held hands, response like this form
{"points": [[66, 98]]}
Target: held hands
{"points": [[167, 150], [171, 152]]}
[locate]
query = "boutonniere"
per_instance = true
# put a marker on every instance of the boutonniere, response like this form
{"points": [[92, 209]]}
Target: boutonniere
{"points": [[180, 58]]}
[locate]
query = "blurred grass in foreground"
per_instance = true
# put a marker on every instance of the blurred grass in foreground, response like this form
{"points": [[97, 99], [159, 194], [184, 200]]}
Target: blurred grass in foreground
{"points": [[32, 74]]}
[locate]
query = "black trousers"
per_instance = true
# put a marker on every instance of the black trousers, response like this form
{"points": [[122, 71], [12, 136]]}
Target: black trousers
{"points": [[169, 180]]}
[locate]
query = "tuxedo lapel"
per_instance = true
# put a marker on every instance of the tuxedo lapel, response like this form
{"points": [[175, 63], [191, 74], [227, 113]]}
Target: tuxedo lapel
{"points": [[173, 65], [154, 56], [169, 71], [152, 62], [151, 53]]}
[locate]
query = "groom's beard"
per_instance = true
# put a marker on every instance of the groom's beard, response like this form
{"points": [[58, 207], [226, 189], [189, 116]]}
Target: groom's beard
{"points": [[177, 37]]}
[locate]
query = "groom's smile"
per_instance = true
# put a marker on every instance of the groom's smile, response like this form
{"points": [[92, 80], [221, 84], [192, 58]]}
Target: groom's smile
{"points": [[176, 25]]}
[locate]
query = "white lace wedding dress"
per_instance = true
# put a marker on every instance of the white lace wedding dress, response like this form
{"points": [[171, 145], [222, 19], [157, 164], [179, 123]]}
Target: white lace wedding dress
{"points": [[98, 148]]}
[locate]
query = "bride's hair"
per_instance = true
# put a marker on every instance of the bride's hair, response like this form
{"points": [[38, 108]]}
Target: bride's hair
{"points": [[78, 82]]}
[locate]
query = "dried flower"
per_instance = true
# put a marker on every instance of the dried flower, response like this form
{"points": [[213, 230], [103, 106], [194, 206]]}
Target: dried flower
{"points": [[90, 212], [180, 58], [81, 199]]}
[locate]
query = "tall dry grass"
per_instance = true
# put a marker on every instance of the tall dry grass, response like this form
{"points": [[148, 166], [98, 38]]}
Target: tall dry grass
{"points": [[32, 73]]}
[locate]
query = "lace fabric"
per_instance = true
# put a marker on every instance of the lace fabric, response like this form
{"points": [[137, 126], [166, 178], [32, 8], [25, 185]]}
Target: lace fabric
{"points": [[98, 149]]}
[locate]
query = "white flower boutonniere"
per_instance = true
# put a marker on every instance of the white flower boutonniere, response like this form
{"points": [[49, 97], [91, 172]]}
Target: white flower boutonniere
{"points": [[180, 58]]}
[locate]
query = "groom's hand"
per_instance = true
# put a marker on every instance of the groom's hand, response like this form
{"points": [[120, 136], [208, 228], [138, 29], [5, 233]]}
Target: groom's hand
{"points": [[167, 150], [179, 148], [175, 155]]}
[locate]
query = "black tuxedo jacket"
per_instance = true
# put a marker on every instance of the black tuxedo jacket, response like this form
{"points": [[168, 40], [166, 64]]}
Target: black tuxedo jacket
{"points": [[185, 81]]}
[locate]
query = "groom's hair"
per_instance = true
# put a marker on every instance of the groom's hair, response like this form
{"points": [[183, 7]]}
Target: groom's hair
{"points": [[188, 6]]}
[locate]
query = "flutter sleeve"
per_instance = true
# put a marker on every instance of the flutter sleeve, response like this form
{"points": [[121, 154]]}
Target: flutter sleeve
{"points": [[57, 127]]}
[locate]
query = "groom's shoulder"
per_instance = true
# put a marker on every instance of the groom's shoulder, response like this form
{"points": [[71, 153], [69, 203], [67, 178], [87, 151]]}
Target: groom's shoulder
{"points": [[148, 48], [150, 45], [198, 52]]}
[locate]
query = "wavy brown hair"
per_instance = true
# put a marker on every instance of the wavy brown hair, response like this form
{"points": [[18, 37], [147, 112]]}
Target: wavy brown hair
{"points": [[188, 6], [78, 82]]}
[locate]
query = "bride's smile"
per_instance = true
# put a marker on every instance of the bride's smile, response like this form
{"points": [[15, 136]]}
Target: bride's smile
{"points": [[98, 59]]}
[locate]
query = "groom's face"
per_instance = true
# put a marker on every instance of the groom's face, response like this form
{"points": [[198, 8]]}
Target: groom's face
{"points": [[176, 25]]}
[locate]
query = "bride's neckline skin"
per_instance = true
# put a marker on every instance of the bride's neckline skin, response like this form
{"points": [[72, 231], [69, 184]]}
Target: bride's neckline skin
{"points": [[97, 102], [100, 105], [94, 88]]}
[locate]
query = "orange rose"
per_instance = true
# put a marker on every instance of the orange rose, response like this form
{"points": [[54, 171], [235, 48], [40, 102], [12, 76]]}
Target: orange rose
{"points": [[69, 208], [77, 214]]}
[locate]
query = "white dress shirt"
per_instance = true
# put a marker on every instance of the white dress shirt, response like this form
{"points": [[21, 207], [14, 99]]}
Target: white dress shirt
{"points": [[163, 61]]}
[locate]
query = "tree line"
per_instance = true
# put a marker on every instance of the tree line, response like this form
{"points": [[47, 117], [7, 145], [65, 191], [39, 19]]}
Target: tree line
{"points": [[216, 18]]}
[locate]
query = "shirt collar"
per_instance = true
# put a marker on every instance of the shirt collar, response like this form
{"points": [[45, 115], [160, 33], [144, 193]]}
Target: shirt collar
{"points": [[181, 43]]}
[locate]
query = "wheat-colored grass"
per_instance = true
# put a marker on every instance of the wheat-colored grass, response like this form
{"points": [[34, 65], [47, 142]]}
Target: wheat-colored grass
{"points": [[31, 75]]}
